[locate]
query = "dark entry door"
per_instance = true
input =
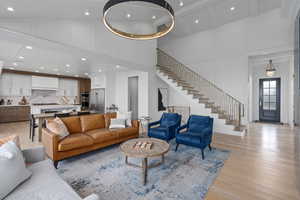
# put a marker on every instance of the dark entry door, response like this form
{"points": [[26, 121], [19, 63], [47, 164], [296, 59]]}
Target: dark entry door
{"points": [[269, 99]]}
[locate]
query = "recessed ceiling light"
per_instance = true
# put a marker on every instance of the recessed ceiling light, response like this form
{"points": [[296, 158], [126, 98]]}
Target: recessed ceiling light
{"points": [[87, 13], [197, 21], [153, 17], [86, 73], [29, 47], [68, 71], [37, 71], [100, 70], [15, 64], [83, 59], [128, 15], [181, 3], [68, 65], [21, 57], [232, 8], [76, 75], [42, 68], [58, 74], [55, 69], [10, 9], [11, 68], [117, 66]]}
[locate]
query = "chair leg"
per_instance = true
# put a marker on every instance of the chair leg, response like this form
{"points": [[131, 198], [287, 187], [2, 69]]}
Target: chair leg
{"points": [[55, 163], [202, 151], [209, 146], [32, 133], [177, 145], [30, 130]]}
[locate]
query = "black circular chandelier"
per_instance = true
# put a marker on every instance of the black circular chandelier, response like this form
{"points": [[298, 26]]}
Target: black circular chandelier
{"points": [[124, 30]]}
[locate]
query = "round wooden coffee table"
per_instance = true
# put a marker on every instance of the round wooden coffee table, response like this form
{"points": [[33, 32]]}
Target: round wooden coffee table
{"points": [[158, 148]]}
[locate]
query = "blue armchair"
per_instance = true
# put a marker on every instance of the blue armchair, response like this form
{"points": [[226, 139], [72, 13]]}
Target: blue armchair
{"points": [[198, 133], [166, 127]]}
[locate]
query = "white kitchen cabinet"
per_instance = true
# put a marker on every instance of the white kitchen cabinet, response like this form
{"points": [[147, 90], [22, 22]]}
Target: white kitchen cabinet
{"points": [[5, 85], [42, 82], [15, 85], [68, 87], [98, 81]]}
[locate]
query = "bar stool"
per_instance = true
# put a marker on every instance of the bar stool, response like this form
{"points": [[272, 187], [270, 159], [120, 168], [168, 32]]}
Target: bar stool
{"points": [[32, 127]]}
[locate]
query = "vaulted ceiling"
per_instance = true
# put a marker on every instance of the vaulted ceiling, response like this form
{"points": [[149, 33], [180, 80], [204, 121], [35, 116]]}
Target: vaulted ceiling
{"points": [[191, 16]]}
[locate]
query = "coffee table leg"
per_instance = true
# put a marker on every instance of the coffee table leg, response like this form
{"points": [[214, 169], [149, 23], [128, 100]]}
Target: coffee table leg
{"points": [[145, 170], [126, 159], [163, 159]]}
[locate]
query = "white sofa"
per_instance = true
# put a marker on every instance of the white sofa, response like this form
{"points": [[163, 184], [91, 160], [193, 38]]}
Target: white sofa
{"points": [[45, 183]]}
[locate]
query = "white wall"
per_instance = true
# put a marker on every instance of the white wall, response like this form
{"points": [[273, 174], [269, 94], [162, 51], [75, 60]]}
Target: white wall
{"points": [[221, 55], [296, 68], [284, 70]]}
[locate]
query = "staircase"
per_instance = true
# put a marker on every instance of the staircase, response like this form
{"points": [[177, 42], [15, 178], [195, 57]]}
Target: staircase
{"points": [[221, 105]]}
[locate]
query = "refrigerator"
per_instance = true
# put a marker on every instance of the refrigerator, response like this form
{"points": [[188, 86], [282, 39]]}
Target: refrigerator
{"points": [[97, 100]]}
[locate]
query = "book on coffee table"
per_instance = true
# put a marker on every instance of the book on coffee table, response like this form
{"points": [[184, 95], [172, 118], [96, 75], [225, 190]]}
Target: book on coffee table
{"points": [[143, 145]]}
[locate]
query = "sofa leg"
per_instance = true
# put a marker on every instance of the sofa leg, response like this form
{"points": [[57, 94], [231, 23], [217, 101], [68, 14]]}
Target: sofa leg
{"points": [[55, 163], [209, 146], [202, 152], [176, 147]]}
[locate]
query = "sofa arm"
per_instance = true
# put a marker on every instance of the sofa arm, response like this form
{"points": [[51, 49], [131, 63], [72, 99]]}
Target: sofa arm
{"points": [[135, 123], [50, 142], [92, 197], [34, 155]]}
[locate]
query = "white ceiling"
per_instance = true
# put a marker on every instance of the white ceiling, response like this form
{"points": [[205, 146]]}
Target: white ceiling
{"points": [[48, 57]]}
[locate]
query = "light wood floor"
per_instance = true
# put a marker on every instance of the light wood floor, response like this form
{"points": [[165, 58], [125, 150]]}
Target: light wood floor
{"points": [[264, 164]]}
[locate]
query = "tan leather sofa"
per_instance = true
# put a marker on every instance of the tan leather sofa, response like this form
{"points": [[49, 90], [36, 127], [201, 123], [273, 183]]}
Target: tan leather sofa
{"points": [[87, 133]]}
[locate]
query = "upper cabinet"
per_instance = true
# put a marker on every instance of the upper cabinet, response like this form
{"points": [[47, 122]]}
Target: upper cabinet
{"points": [[43, 82], [98, 81], [68, 87], [15, 85]]}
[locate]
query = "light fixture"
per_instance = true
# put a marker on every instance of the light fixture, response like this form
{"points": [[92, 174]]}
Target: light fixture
{"points": [[68, 71], [86, 73], [37, 71], [76, 75], [21, 57], [232, 8], [153, 17], [161, 30], [15, 64], [29, 47], [56, 70], [10, 9], [68, 65], [118, 66], [197, 21], [11, 68], [42, 68], [100, 70], [83, 59], [87, 13], [181, 3], [270, 69]]}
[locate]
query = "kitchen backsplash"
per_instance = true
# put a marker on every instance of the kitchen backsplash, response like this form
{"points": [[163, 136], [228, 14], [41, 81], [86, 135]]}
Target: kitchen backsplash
{"points": [[43, 97]]}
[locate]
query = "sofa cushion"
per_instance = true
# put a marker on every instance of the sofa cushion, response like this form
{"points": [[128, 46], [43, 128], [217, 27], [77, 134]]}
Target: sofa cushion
{"points": [[75, 141], [102, 135], [12, 168], [92, 122], [126, 132], [44, 184], [108, 117], [73, 124], [198, 123]]}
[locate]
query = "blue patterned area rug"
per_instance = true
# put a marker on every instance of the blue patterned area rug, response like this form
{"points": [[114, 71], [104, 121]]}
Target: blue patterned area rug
{"points": [[184, 175]]}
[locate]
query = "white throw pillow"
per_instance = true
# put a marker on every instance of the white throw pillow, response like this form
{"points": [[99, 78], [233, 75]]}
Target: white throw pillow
{"points": [[12, 168], [126, 116], [117, 123], [58, 127]]}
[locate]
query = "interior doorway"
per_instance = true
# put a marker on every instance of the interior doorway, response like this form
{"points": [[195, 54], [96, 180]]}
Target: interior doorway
{"points": [[133, 96], [269, 99]]}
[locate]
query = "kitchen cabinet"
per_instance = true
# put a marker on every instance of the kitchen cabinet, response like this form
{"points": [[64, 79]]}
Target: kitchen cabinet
{"points": [[43, 82], [15, 85], [68, 87], [85, 85], [14, 113]]}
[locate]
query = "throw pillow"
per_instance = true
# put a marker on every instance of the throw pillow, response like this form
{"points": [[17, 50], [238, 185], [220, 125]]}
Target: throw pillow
{"points": [[126, 116], [58, 127], [117, 123], [13, 138], [12, 168]]}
